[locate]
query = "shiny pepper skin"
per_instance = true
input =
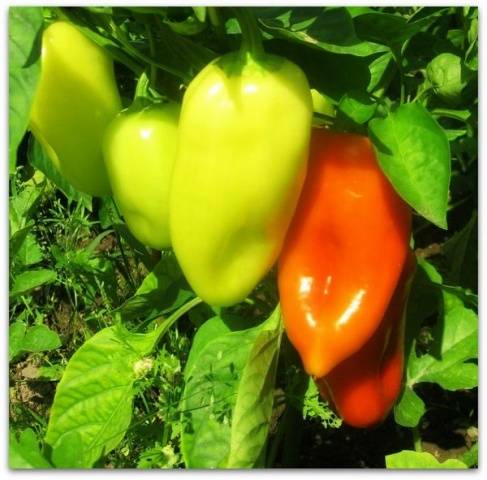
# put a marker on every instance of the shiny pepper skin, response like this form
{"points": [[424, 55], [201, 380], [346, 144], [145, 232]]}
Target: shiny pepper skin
{"points": [[343, 254], [363, 388], [75, 100], [139, 151], [243, 149]]}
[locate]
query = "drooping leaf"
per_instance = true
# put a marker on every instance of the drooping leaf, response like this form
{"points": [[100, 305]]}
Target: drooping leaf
{"points": [[414, 153], [255, 397], [220, 386]]}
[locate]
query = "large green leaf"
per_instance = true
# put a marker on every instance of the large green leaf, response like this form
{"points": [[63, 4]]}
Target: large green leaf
{"points": [[92, 407], [227, 401], [414, 153], [25, 25]]}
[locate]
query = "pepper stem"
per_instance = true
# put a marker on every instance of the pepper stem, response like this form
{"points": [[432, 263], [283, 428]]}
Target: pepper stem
{"points": [[142, 88], [251, 36]]}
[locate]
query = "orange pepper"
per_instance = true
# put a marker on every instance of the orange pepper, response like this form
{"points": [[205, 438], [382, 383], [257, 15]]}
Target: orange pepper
{"points": [[344, 252], [364, 387]]}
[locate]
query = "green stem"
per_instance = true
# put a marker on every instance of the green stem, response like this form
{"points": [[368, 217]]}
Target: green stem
{"points": [[141, 90], [251, 37], [152, 49], [120, 246], [167, 323]]}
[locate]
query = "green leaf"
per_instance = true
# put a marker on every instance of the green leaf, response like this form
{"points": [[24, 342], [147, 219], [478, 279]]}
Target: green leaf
{"points": [[17, 239], [471, 457], [255, 398], [25, 453], [94, 397], [357, 106], [410, 408], [389, 29], [330, 29], [457, 338], [69, 451], [414, 153], [217, 396], [25, 25], [200, 13], [448, 76], [22, 207], [408, 459], [461, 252], [212, 329], [16, 334], [29, 252], [381, 72], [312, 406], [31, 279], [40, 338], [163, 290]]}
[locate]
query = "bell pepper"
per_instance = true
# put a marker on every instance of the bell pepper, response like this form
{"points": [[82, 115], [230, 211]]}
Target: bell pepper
{"points": [[139, 150], [75, 100], [363, 388], [344, 252], [243, 148]]}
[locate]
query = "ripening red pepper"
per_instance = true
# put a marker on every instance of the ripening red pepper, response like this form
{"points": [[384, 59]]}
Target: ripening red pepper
{"points": [[363, 388], [344, 252]]}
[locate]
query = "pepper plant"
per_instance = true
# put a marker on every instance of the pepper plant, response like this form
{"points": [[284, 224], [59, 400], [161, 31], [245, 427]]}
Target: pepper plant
{"points": [[243, 237]]}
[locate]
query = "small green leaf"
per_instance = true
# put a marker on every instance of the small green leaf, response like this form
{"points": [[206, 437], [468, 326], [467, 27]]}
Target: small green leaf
{"points": [[25, 453], [471, 457], [17, 239], [30, 280], [408, 459], [458, 337], [40, 338], [357, 106], [414, 153], [22, 207], [448, 76], [29, 252], [24, 30], [409, 409], [16, 334]]}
